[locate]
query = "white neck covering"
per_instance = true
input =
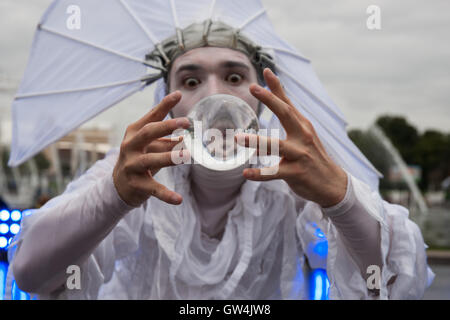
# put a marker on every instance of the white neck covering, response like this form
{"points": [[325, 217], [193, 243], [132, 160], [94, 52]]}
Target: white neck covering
{"points": [[215, 193], [205, 268]]}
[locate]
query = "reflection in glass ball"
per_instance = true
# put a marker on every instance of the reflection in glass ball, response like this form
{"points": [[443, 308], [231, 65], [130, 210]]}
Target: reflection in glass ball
{"points": [[218, 118]]}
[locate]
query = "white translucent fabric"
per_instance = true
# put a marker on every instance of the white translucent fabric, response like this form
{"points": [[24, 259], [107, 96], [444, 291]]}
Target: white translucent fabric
{"points": [[106, 55], [158, 252], [57, 63]]}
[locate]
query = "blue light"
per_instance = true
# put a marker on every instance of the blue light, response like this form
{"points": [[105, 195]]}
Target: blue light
{"points": [[321, 248], [318, 288], [16, 215], [319, 233], [3, 242], [18, 294], [3, 272], [27, 212], [14, 228], [319, 285], [4, 228], [4, 215]]}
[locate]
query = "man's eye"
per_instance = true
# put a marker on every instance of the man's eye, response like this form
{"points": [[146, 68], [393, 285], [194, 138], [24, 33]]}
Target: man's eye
{"points": [[191, 82], [234, 78]]}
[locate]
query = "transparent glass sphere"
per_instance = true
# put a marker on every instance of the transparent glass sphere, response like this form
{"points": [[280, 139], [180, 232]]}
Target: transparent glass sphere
{"points": [[214, 122]]}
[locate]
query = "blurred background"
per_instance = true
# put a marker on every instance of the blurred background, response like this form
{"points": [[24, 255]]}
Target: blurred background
{"points": [[392, 84]]}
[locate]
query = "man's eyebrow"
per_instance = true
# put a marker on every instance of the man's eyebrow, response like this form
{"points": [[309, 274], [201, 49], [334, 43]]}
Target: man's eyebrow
{"points": [[226, 64], [233, 64], [189, 67]]}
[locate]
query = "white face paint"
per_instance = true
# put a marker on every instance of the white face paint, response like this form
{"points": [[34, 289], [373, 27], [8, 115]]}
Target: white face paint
{"points": [[206, 71], [205, 74]]}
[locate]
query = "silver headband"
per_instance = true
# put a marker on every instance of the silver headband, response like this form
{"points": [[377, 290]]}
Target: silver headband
{"points": [[209, 33]]}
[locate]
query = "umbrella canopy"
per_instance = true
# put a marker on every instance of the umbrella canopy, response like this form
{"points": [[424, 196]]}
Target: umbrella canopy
{"points": [[74, 73]]}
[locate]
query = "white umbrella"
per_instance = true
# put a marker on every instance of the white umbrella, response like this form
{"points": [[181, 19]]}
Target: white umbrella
{"points": [[73, 73]]}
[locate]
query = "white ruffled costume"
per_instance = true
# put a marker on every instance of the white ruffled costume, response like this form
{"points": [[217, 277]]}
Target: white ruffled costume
{"points": [[158, 251]]}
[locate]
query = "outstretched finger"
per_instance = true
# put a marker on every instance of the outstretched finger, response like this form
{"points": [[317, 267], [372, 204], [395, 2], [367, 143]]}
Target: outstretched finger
{"points": [[266, 145], [155, 130], [280, 108], [263, 174], [161, 192], [275, 86], [159, 112], [156, 161], [163, 144]]}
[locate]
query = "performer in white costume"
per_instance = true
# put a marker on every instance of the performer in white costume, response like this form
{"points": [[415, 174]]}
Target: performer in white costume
{"points": [[141, 227]]}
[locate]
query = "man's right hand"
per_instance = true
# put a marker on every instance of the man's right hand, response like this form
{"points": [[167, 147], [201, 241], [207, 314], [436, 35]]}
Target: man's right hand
{"points": [[144, 151]]}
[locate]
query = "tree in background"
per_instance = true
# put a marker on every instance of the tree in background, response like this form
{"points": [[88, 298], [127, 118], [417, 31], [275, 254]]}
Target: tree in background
{"points": [[374, 151], [430, 150], [403, 136], [433, 154]]}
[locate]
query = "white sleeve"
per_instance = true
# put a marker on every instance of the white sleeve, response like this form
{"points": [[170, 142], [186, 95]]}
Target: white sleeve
{"points": [[404, 273], [67, 230], [359, 230]]}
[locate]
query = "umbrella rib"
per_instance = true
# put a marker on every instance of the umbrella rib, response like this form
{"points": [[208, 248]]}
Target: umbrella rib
{"points": [[309, 92], [364, 160], [252, 18], [174, 13], [47, 93], [211, 9], [150, 35], [288, 52], [117, 100], [90, 44]]}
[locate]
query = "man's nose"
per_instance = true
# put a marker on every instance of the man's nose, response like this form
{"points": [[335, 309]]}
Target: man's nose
{"points": [[216, 86]]}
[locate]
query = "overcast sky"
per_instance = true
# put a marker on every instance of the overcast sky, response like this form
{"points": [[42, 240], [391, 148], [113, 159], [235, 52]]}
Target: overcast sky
{"points": [[403, 69]]}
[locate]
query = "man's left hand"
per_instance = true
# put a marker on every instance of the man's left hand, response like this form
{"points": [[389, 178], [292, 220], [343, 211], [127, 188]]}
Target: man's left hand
{"points": [[305, 165]]}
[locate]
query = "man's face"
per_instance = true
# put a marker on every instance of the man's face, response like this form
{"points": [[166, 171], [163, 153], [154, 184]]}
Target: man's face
{"points": [[205, 71]]}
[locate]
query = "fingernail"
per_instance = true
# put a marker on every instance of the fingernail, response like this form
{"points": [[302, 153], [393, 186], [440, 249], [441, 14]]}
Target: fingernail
{"points": [[176, 139], [182, 122], [257, 89], [175, 198], [175, 96]]}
